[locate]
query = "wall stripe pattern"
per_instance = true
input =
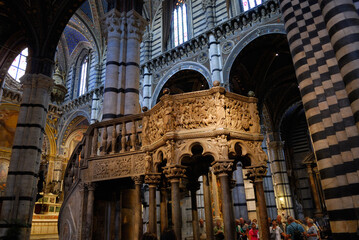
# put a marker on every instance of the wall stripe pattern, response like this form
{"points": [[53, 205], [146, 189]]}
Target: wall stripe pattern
{"points": [[328, 112], [342, 17]]}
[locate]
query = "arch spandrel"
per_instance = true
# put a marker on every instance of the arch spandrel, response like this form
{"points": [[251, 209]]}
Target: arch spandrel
{"points": [[252, 149]]}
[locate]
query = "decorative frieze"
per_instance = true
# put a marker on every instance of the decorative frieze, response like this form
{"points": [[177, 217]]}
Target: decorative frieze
{"points": [[119, 167]]}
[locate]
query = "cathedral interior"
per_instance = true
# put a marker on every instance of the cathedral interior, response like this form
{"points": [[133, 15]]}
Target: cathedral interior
{"points": [[120, 117]]}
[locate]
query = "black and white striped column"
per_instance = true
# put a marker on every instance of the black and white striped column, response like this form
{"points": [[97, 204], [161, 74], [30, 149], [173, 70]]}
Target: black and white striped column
{"points": [[21, 187], [114, 26], [342, 21], [280, 179], [215, 59], [147, 74], [135, 27], [208, 8], [328, 110], [239, 194]]}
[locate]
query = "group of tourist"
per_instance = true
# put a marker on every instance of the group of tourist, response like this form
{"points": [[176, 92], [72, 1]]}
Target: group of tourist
{"points": [[248, 230], [292, 229]]}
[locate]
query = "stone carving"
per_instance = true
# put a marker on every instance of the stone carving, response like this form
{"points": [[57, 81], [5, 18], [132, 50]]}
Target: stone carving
{"points": [[119, 167], [222, 167], [153, 179], [211, 110], [227, 47], [112, 24], [203, 57], [256, 173], [175, 171], [138, 180]]}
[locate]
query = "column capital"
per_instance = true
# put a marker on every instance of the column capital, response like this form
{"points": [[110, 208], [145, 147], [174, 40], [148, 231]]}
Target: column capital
{"points": [[37, 81], [222, 167], [113, 23], [153, 179], [256, 173], [91, 186], [175, 172], [138, 180], [135, 25]]}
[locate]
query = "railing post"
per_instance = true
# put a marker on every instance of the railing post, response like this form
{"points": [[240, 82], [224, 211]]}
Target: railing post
{"points": [[123, 138], [104, 141], [133, 136], [94, 142], [114, 135]]}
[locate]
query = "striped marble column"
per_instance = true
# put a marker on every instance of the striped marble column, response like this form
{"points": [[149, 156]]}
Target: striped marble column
{"points": [[135, 27], [113, 25], [328, 111], [147, 74], [21, 186], [280, 179], [215, 61], [342, 21], [208, 8], [239, 195]]}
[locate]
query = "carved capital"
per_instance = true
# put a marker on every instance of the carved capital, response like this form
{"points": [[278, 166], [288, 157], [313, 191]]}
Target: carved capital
{"points": [[135, 25], [208, 3], [153, 179], [256, 173], [175, 172], [138, 180], [113, 23], [222, 167]]}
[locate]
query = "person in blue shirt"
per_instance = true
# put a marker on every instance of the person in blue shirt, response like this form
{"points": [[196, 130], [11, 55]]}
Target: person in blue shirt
{"points": [[294, 230]]}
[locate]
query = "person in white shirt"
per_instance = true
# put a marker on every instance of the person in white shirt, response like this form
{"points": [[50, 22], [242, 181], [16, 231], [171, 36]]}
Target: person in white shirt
{"points": [[275, 232]]}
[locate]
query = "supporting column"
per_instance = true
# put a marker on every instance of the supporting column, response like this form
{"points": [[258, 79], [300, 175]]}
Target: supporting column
{"points": [[223, 169], [163, 208], [152, 179], [256, 174], [174, 174], [208, 207], [208, 7], [318, 207], [138, 180], [114, 27], [280, 176], [215, 59], [89, 209], [135, 26], [239, 195], [21, 189], [342, 22], [193, 186]]}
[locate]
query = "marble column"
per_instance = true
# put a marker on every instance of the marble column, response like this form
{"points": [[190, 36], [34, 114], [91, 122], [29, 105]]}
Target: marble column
{"points": [[209, 7], [223, 169], [20, 194], [138, 180], [256, 174], [280, 176], [193, 186], [152, 180], [215, 58], [163, 208], [89, 209], [208, 207], [114, 27], [313, 187], [147, 74], [174, 174], [239, 195], [135, 27]]}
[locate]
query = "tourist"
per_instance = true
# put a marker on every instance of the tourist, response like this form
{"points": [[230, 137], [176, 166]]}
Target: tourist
{"points": [[275, 231], [294, 230], [218, 230], [269, 221], [312, 233], [149, 236], [253, 233], [281, 225], [242, 229], [202, 230]]}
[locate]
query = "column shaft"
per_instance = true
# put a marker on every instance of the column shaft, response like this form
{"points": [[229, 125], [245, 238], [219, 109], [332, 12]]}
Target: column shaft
{"points": [[195, 222], [89, 211], [152, 224], [138, 211], [21, 189], [163, 209], [239, 195], [313, 188], [215, 62], [176, 208], [229, 228], [263, 215], [208, 207]]}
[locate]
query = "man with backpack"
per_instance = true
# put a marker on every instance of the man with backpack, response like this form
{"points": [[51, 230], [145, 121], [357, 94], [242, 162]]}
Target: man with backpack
{"points": [[294, 230]]}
